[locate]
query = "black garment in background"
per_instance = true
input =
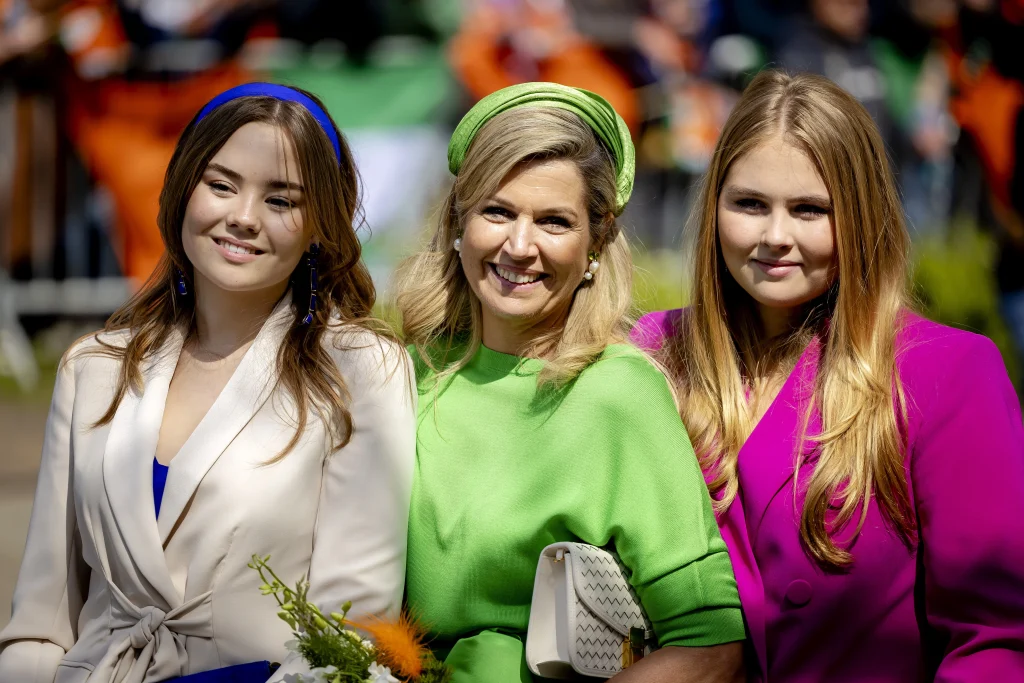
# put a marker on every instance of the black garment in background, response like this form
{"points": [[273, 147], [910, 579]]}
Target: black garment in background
{"points": [[357, 24], [812, 48], [1003, 40], [157, 54], [767, 21], [1010, 266], [893, 22]]}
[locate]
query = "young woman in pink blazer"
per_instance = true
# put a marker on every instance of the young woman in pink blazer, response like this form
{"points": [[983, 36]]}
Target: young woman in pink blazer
{"points": [[867, 464]]}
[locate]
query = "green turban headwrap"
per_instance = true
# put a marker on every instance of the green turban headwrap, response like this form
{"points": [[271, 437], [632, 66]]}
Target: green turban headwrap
{"points": [[591, 107]]}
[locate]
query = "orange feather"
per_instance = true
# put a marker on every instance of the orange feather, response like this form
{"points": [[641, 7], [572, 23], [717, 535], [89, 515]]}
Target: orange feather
{"points": [[399, 644]]}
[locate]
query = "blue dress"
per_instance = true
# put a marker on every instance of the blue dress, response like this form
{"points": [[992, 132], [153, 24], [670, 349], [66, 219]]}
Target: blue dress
{"points": [[159, 482], [253, 672]]}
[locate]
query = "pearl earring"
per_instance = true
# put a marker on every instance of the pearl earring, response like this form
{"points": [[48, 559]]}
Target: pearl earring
{"points": [[458, 244], [592, 267]]}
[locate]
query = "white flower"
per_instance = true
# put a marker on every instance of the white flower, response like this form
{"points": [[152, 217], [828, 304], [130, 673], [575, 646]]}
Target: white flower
{"points": [[292, 645], [299, 678], [380, 674], [359, 640], [323, 673]]}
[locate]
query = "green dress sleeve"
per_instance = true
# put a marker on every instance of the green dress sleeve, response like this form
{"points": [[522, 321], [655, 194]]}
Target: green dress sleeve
{"points": [[658, 513]]}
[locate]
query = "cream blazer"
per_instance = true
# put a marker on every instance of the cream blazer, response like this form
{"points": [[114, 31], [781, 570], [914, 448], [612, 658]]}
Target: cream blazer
{"points": [[109, 594]]}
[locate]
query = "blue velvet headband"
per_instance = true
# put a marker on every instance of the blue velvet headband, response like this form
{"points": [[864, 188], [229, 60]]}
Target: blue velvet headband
{"points": [[280, 92]]}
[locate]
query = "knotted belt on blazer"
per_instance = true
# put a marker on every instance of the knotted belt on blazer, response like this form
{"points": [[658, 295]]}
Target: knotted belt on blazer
{"points": [[148, 643]]}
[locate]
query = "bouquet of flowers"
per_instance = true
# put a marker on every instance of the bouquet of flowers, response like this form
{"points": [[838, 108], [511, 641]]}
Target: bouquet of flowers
{"points": [[339, 654]]}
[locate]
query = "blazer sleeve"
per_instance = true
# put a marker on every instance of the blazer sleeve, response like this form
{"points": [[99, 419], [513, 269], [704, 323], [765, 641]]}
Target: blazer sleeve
{"points": [[53, 576], [359, 545], [968, 481]]}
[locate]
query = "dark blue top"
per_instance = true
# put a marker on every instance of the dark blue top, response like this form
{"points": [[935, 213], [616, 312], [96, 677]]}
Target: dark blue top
{"points": [[159, 481], [253, 672]]}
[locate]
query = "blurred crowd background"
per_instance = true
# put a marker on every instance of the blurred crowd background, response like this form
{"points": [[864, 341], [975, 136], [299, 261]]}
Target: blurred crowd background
{"points": [[94, 93]]}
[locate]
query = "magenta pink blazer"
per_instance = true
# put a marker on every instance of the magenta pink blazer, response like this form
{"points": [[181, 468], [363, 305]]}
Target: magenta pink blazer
{"points": [[950, 608]]}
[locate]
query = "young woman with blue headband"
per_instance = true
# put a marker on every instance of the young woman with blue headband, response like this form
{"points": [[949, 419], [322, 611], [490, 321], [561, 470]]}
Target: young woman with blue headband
{"points": [[243, 402], [537, 423]]}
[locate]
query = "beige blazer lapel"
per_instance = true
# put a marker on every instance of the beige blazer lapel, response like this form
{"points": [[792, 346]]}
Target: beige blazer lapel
{"points": [[248, 389], [128, 468]]}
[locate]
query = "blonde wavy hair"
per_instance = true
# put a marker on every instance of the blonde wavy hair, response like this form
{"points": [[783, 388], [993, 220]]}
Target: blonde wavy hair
{"points": [[860, 451], [440, 312]]}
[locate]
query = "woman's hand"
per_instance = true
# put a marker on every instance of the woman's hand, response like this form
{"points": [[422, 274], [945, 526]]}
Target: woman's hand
{"points": [[716, 664]]}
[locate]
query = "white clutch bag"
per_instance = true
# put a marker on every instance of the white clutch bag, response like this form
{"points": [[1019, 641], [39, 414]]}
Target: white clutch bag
{"points": [[584, 617]]}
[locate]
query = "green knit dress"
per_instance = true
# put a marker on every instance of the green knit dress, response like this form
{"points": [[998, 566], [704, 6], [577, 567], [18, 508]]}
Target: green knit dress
{"points": [[504, 470]]}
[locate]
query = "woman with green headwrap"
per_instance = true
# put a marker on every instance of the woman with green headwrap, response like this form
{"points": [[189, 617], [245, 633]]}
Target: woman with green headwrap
{"points": [[538, 423]]}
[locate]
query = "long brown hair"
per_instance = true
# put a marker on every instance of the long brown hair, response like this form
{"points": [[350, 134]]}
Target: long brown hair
{"points": [[437, 304], [345, 290], [860, 450]]}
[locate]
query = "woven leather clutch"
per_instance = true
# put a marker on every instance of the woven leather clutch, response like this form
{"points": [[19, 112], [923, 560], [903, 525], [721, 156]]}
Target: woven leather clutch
{"points": [[585, 617]]}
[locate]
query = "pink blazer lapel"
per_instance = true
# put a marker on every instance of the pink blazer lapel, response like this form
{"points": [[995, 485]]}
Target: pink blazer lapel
{"points": [[768, 458], [766, 466]]}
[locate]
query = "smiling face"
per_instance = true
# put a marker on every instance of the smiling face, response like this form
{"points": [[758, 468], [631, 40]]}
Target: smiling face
{"points": [[243, 226], [775, 230], [524, 252]]}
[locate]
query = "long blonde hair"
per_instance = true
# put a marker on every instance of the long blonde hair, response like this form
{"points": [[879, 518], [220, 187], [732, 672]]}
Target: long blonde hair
{"points": [[345, 291], [860, 450], [440, 313]]}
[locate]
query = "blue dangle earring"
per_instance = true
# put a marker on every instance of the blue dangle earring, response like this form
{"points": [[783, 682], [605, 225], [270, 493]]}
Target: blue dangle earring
{"points": [[180, 285], [314, 249]]}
